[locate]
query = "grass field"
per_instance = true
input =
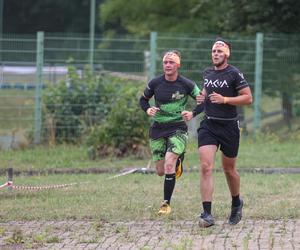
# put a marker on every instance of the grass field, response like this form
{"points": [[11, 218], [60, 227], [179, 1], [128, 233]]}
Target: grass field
{"points": [[138, 196], [263, 153], [16, 110]]}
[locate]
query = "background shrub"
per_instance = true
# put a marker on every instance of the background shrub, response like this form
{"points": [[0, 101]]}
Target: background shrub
{"points": [[100, 110], [125, 129], [77, 103]]}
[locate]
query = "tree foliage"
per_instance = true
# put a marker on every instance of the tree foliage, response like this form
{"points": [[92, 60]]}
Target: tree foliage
{"points": [[201, 16], [142, 16], [30, 16], [268, 16]]}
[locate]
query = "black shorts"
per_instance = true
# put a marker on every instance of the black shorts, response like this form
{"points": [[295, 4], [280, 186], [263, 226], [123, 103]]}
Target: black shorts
{"points": [[223, 134]]}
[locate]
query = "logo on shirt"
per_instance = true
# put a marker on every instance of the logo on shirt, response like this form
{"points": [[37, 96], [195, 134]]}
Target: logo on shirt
{"points": [[216, 83], [177, 95]]}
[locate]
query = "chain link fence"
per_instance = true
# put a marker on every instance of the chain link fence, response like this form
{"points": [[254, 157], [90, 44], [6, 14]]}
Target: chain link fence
{"points": [[136, 58]]}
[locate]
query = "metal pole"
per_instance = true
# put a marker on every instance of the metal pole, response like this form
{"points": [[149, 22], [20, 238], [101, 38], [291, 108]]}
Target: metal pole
{"points": [[153, 48], [38, 87], [1, 27], [1, 16], [92, 33], [258, 82], [10, 173]]}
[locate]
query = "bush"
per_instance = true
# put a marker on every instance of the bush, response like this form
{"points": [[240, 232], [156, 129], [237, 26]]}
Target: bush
{"points": [[100, 108], [76, 104], [124, 131]]}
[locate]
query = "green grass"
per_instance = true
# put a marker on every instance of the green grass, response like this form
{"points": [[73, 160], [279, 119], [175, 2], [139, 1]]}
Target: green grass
{"points": [[266, 152], [262, 153], [60, 157], [16, 109], [268, 104], [138, 196]]}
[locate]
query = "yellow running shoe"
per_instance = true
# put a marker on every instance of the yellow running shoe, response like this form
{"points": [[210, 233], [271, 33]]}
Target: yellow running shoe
{"points": [[179, 167], [164, 209]]}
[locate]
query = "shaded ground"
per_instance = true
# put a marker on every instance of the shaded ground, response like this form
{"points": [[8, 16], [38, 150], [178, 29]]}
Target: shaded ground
{"points": [[158, 234], [95, 170]]}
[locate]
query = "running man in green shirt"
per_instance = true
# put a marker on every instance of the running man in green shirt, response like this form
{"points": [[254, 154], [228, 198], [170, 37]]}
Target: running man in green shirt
{"points": [[168, 133]]}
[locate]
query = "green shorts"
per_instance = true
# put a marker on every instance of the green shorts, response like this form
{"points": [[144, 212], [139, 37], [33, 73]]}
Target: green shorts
{"points": [[175, 143]]}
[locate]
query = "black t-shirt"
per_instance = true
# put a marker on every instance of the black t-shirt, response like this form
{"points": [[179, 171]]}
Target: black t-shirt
{"points": [[226, 82]]}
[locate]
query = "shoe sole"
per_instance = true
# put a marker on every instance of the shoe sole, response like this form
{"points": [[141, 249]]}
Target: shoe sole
{"points": [[162, 214], [204, 224], [165, 212]]}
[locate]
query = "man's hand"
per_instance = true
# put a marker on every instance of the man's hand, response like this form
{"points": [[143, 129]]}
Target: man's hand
{"points": [[187, 115], [152, 111], [216, 98], [201, 98]]}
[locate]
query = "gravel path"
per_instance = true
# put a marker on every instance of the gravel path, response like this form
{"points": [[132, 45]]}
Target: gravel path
{"points": [[156, 234]]}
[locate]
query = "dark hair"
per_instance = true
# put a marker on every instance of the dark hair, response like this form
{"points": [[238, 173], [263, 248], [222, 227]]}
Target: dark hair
{"points": [[224, 41], [173, 51]]}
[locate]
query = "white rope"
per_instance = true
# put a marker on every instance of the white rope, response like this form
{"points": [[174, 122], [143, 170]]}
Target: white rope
{"points": [[42, 187], [37, 188], [124, 173]]}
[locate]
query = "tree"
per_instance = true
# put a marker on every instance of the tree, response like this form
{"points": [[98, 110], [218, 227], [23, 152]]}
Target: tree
{"points": [[30, 16], [139, 17], [268, 16]]}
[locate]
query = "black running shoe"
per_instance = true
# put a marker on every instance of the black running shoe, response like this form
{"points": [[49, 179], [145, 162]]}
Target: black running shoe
{"points": [[236, 214], [206, 220]]}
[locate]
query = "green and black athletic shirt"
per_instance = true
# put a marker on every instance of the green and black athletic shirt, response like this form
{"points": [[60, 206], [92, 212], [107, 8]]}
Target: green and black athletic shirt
{"points": [[171, 98]]}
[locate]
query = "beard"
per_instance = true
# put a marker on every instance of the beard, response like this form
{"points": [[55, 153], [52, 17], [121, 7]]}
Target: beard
{"points": [[218, 64]]}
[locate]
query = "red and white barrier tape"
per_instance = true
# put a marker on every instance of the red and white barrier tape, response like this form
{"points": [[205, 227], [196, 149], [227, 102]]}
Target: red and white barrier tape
{"points": [[10, 184], [6, 184]]}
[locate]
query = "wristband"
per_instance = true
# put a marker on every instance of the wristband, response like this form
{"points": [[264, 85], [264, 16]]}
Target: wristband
{"points": [[225, 99]]}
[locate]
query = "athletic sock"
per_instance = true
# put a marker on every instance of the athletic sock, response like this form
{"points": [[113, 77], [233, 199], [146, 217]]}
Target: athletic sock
{"points": [[207, 206], [169, 185], [236, 201]]}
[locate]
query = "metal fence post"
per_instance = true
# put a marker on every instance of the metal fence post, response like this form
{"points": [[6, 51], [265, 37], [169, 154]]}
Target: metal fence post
{"points": [[258, 81], [1, 27], [10, 173], [92, 33], [38, 87], [153, 47]]}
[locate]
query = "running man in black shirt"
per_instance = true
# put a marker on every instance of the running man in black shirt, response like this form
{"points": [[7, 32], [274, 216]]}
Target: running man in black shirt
{"points": [[168, 133], [224, 88]]}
